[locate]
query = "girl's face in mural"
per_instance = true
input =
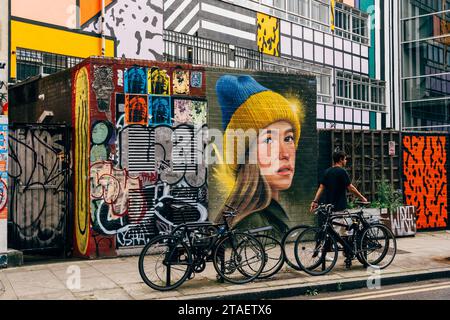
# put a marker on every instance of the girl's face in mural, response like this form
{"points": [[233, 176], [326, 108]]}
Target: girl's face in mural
{"points": [[276, 155]]}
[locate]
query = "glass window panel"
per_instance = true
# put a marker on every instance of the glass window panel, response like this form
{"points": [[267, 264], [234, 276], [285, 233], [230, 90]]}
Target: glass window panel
{"points": [[425, 57], [411, 8], [424, 113], [424, 88]]}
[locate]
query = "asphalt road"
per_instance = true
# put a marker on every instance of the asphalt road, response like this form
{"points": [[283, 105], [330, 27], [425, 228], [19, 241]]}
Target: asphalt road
{"points": [[424, 290]]}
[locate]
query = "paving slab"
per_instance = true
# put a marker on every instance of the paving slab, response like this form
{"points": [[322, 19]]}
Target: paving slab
{"points": [[425, 255]]}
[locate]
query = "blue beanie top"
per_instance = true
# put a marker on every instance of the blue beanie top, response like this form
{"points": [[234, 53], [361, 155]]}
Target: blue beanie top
{"points": [[233, 91]]}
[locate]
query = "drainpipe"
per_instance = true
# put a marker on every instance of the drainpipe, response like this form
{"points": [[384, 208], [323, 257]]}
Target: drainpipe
{"points": [[103, 29]]}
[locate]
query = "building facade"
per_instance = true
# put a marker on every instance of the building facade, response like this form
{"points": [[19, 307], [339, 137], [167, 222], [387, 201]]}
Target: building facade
{"points": [[48, 36], [339, 42], [425, 59]]}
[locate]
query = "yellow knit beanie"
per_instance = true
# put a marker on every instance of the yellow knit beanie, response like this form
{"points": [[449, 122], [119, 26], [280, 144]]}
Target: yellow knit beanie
{"points": [[248, 105]]}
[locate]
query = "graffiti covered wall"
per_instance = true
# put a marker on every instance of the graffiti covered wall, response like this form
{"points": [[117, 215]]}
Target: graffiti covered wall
{"points": [[425, 178], [39, 167], [4, 56], [139, 129]]}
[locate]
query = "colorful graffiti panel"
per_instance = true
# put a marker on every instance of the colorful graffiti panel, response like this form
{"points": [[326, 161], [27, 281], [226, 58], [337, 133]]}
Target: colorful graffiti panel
{"points": [[268, 34], [181, 81], [161, 110], [136, 109], [261, 164], [103, 87], [182, 111], [199, 112], [425, 183], [146, 171], [136, 80], [81, 161], [158, 81], [3, 167]]}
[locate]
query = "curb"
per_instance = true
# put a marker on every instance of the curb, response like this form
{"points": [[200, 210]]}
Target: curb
{"points": [[326, 286]]}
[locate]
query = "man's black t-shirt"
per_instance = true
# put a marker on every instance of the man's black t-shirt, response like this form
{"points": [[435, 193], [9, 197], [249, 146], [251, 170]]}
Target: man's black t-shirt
{"points": [[336, 181]]}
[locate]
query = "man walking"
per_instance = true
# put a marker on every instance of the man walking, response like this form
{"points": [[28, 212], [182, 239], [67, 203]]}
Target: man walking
{"points": [[335, 183]]}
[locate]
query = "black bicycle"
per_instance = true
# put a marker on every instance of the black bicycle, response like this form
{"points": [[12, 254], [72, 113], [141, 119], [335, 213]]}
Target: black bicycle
{"points": [[288, 243], [169, 260], [274, 255], [372, 243]]}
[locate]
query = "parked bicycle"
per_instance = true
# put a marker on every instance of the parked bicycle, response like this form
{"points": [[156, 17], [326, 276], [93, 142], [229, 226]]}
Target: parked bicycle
{"points": [[170, 259], [274, 255], [372, 243], [288, 243]]}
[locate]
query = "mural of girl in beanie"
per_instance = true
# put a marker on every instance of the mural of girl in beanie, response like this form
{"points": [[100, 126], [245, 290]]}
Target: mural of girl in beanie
{"points": [[254, 188]]}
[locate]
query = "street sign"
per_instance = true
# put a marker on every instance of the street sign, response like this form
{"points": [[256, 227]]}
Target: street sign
{"points": [[392, 148]]}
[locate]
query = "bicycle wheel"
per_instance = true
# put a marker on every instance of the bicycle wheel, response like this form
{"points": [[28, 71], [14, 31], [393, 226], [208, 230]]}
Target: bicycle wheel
{"points": [[316, 252], [288, 243], [273, 254], [239, 258], [377, 246], [165, 263]]}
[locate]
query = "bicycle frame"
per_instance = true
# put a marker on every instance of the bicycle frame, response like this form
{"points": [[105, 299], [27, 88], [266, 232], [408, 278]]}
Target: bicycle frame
{"points": [[347, 244]]}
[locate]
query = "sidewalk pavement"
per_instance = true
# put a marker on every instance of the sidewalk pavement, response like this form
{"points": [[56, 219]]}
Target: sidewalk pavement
{"points": [[425, 256]]}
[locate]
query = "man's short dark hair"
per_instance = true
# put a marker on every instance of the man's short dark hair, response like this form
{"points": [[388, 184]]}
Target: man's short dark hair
{"points": [[338, 156]]}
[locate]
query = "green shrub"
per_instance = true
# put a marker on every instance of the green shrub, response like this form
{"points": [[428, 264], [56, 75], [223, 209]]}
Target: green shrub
{"points": [[388, 197]]}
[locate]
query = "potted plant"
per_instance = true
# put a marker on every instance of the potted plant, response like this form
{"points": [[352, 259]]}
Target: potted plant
{"points": [[399, 217]]}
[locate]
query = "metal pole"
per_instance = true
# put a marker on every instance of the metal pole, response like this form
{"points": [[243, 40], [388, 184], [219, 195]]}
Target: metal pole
{"points": [[103, 29]]}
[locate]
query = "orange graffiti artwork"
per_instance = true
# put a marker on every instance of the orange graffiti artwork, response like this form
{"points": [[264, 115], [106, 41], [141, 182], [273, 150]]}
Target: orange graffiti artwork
{"points": [[425, 184]]}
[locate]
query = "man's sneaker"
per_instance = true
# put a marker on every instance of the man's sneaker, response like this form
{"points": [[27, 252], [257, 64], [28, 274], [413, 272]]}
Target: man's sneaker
{"points": [[329, 259]]}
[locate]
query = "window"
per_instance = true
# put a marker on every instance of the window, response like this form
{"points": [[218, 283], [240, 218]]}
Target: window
{"points": [[300, 7], [360, 92], [323, 85], [32, 63], [351, 24], [319, 12], [315, 12]]}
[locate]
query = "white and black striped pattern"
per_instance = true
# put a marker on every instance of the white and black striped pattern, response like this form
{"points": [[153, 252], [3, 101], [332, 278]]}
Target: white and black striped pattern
{"points": [[211, 19], [186, 196], [182, 16], [228, 23], [141, 208], [141, 150]]}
